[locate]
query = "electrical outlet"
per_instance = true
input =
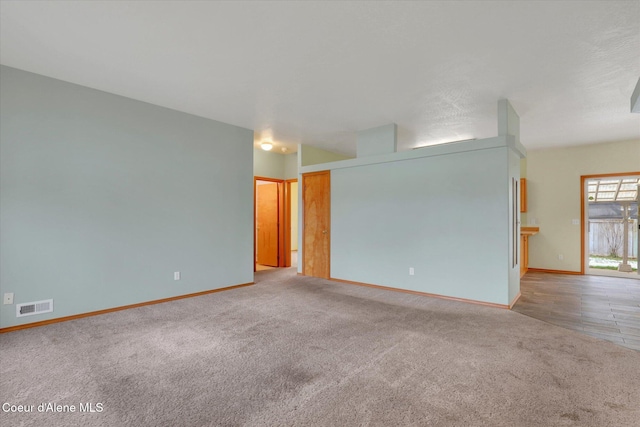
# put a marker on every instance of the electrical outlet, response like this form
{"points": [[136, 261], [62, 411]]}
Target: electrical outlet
{"points": [[560, 257], [411, 271], [575, 221], [8, 298], [176, 275]]}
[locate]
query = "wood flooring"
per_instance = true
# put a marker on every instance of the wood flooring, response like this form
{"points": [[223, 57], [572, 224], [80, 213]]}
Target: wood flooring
{"points": [[603, 307]]}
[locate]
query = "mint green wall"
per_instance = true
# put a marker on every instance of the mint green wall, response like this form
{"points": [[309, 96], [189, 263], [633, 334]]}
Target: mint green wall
{"points": [[514, 271], [378, 140], [445, 216], [104, 197], [268, 164], [274, 165], [443, 210], [291, 166]]}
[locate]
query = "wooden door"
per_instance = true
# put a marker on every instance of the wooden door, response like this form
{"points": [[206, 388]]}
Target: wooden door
{"points": [[316, 237], [267, 224]]}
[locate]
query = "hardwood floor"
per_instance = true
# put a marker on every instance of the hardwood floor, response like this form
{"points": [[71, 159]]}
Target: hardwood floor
{"points": [[603, 307]]}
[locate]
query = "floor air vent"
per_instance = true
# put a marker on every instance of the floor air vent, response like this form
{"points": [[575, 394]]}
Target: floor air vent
{"points": [[30, 308]]}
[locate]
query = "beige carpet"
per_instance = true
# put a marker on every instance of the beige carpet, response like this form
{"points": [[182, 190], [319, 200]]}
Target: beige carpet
{"points": [[302, 351]]}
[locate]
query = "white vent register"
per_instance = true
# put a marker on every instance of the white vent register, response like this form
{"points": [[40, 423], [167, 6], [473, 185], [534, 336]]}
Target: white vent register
{"points": [[31, 308]]}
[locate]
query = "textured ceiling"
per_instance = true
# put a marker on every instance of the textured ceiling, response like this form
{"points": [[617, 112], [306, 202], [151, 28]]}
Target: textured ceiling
{"points": [[318, 72]]}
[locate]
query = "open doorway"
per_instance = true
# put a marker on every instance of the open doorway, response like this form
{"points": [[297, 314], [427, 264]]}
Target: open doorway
{"points": [[275, 216], [610, 238], [267, 221]]}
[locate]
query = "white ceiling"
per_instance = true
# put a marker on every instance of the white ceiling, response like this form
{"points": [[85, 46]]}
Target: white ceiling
{"points": [[318, 72]]}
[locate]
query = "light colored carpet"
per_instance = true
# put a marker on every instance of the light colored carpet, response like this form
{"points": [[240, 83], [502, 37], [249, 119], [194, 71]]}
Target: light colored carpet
{"points": [[303, 351]]}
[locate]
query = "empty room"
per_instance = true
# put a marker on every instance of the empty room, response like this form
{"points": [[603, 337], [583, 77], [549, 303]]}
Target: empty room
{"points": [[319, 213]]}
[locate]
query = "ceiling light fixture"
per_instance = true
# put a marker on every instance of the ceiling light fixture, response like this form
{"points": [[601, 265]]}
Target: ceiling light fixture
{"points": [[266, 146]]}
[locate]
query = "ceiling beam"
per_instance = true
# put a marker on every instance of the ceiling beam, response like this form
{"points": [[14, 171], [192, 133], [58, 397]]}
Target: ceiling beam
{"points": [[618, 189]]}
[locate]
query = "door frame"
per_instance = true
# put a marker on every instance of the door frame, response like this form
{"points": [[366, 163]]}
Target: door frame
{"points": [[287, 220], [583, 211], [284, 219]]}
